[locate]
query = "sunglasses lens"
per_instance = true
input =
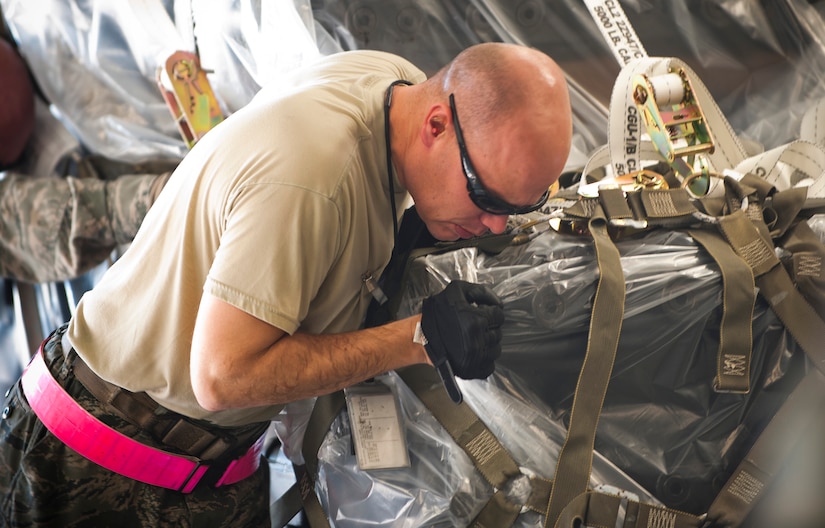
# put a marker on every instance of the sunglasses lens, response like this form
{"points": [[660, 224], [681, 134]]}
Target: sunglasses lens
{"points": [[495, 206], [490, 205]]}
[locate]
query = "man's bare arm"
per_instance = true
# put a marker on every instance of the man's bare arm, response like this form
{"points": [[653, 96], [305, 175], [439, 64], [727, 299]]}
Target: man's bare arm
{"points": [[240, 361]]}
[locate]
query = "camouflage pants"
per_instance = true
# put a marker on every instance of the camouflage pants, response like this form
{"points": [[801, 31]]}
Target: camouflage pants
{"points": [[43, 483], [56, 228]]}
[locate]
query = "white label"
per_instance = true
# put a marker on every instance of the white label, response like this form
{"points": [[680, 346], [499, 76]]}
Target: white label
{"points": [[376, 430], [616, 30]]}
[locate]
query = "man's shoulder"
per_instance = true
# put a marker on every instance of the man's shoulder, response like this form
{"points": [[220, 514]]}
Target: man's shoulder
{"points": [[366, 61]]}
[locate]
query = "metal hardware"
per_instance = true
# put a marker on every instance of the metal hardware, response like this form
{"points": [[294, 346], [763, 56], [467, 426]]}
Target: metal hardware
{"points": [[632, 181], [372, 286], [674, 119], [189, 96]]}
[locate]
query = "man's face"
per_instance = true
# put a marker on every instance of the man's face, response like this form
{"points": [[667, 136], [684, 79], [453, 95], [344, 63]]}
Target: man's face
{"points": [[473, 195]]}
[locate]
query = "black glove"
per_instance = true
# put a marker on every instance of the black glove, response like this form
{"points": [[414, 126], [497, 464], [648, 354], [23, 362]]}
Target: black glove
{"points": [[462, 325]]}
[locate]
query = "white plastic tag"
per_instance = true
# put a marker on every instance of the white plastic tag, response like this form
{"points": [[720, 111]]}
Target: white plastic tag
{"points": [[377, 433]]}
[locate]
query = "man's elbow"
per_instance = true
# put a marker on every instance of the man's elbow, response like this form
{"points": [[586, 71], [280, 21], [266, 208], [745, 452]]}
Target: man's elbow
{"points": [[211, 393]]}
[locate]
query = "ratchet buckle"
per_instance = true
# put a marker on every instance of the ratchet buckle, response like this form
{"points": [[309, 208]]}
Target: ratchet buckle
{"points": [[676, 124], [189, 96]]}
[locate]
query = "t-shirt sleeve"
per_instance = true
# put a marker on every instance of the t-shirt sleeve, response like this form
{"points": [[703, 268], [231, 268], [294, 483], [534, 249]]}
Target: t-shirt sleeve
{"points": [[278, 244]]}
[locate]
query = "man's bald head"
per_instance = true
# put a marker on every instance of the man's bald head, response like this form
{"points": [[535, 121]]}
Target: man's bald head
{"points": [[484, 137], [498, 78], [513, 97]]}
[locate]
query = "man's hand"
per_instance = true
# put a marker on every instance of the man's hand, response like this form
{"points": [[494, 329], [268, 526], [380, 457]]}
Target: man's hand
{"points": [[462, 325]]}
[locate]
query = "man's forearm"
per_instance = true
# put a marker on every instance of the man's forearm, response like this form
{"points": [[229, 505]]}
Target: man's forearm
{"points": [[304, 365]]}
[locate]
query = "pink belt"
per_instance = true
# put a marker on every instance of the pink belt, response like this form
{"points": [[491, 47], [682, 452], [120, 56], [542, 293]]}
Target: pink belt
{"points": [[101, 444]]}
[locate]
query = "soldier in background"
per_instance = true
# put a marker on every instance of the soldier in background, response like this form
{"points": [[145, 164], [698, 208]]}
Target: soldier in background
{"points": [[60, 219]]}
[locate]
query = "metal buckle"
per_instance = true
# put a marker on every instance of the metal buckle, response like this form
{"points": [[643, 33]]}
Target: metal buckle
{"points": [[189, 96], [673, 118], [632, 181]]}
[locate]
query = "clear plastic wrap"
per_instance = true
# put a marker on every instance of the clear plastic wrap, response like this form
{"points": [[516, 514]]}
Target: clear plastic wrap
{"points": [[763, 62], [96, 62], [662, 422], [663, 432], [442, 487]]}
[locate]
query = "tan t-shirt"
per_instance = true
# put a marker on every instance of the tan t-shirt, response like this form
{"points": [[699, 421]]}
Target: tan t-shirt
{"points": [[278, 211]]}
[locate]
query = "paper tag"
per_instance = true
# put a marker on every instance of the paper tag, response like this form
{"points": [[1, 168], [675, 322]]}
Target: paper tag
{"points": [[376, 427]]}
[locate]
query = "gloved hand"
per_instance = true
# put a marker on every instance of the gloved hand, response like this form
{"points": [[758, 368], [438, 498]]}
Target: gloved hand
{"points": [[462, 325]]}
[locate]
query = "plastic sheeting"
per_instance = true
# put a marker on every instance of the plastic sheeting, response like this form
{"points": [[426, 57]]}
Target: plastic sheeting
{"points": [[763, 61], [662, 422], [442, 487], [96, 62]]}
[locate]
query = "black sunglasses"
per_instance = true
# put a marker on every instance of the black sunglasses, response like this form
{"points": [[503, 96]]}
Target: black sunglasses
{"points": [[478, 194]]}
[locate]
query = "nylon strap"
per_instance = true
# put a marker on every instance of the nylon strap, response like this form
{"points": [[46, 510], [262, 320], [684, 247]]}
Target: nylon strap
{"points": [[808, 259], [575, 459], [603, 510], [491, 459], [489, 456], [803, 323], [738, 301], [765, 459], [670, 208], [498, 512], [801, 155], [286, 507]]}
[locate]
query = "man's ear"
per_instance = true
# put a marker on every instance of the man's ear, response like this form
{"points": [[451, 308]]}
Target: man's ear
{"points": [[434, 126]]}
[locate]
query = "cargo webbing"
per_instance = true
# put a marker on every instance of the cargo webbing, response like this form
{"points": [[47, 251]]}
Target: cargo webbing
{"points": [[491, 459], [576, 457], [738, 301], [798, 316], [488, 455], [766, 458], [740, 244]]}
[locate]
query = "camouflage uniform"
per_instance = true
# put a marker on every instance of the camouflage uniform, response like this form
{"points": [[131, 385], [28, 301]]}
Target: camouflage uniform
{"points": [[43, 483], [55, 228]]}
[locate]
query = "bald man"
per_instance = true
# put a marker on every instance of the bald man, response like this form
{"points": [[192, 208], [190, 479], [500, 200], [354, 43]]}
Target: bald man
{"points": [[244, 287]]}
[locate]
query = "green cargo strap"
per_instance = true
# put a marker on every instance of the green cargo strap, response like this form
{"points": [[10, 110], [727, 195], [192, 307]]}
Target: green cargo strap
{"points": [[615, 204], [645, 208], [490, 458], [286, 507], [603, 510], [325, 410], [738, 301], [498, 512], [798, 316], [671, 208], [315, 515], [765, 459], [807, 266], [575, 459], [666, 205]]}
